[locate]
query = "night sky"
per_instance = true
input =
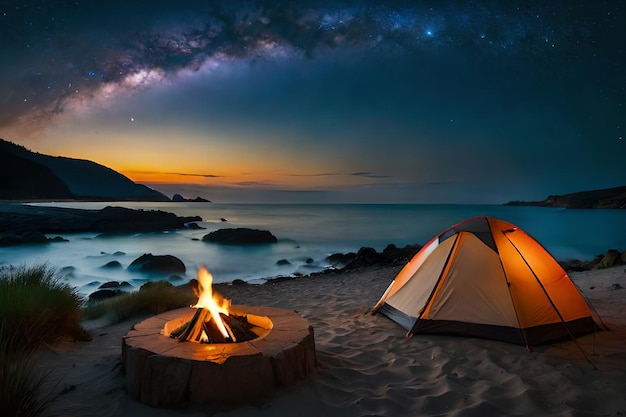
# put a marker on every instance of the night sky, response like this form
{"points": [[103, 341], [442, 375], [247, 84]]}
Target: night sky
{"points": [[480, 101]]}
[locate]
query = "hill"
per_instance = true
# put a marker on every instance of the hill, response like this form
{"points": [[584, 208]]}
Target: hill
{"points": [[608, 198], [26, 175]]}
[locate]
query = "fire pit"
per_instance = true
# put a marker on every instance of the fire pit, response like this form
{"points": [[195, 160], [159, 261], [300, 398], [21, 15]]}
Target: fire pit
{"points": [[164, 369]]}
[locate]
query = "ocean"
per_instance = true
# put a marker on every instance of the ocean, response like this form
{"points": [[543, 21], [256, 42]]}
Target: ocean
{"points": [[307, 234]]}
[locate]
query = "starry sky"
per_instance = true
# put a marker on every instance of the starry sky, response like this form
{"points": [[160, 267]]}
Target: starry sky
{"points": [[478, 101]]}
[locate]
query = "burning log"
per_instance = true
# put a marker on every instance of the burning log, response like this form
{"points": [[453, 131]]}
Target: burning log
{"points": [[203, 328], [182, 332], [238, 328], [213, 334]]}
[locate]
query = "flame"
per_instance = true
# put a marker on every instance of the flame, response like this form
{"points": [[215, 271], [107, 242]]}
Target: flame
{"points": [[213, 302]]}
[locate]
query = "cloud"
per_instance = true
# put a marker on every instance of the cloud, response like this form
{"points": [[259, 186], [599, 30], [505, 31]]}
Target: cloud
{"points": [[252, 184], [322, 174], [355, 174], [369, 175], [186, 174]]}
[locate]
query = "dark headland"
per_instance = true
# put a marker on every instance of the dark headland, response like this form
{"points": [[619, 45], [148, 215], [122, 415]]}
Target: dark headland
{"points": [[29, 176], [608, 198]]}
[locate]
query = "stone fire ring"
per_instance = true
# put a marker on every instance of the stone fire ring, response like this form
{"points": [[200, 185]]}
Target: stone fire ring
{"points": [[163, 372]]}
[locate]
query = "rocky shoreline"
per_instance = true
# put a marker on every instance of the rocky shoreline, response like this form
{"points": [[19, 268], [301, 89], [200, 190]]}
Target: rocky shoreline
{"points": [[22, 223]]}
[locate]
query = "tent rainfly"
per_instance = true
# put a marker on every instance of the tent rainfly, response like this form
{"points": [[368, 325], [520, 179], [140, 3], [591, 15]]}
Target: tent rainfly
{"points": [[487, 278]]}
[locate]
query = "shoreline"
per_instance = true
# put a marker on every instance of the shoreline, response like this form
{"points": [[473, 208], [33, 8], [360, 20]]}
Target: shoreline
{"points": [[330, 264]]}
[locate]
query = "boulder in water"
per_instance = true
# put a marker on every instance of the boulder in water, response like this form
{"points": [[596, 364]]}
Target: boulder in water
{"points": [[240, 236], [164, 264]]}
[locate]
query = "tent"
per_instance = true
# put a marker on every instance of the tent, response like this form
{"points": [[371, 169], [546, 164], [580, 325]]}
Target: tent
{"points": [[487, 278]]}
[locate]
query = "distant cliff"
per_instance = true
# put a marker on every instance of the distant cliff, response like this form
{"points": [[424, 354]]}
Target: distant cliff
{"points": [[608, 198], [26, 175]]}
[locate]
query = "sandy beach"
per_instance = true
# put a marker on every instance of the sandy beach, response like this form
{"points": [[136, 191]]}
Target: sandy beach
{"points": [[366, 366]]}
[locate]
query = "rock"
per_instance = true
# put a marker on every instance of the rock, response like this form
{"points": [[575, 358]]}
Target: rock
{"points": [[10, 239], [103, 295], [193, 226], [67, 271], [341, 259], [365, 257], [175, 278], [155, 284], [399, 256], [283, 262], [240, 236], [179, 198], [223, 219], [34, 238], [165, 264], [616, 287], [612, 258], [112, 265], [239, 282], [576, 265], [114, 284], [37, 238], [18, 220], [391, 255]]}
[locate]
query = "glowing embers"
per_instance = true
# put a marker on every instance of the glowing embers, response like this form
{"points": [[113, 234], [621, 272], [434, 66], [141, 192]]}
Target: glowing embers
{"points": [[213, 321]]}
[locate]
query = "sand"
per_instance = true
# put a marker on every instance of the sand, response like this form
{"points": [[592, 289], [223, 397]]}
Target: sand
{"points": [[368, 368]]}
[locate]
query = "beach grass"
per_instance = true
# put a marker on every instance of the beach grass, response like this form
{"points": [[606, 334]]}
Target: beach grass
{"points": [[24, 390], [36, 308], [151, 298]]}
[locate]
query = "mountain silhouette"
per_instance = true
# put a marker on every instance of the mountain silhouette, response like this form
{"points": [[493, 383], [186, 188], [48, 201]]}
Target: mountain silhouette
{"points": [[26, 175]]}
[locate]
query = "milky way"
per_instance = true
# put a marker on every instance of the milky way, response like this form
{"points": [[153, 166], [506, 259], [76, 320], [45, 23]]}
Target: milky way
{"points": [[57, 51], [423, 101]]}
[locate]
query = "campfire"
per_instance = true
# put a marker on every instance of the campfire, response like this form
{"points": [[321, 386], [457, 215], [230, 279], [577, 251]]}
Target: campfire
{"points": [[236, 354], [214, 321]]}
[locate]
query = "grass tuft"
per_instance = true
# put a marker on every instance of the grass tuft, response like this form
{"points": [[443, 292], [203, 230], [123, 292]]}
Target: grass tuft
{"points": [[35, 308], [23, 392], [152, 298]]}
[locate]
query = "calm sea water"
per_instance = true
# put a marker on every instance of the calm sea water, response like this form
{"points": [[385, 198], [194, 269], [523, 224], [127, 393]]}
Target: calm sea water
{"points": [[304, 232]]}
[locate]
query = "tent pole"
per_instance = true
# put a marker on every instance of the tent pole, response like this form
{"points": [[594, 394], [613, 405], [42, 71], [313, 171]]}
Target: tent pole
{"points": [[508, 285]]}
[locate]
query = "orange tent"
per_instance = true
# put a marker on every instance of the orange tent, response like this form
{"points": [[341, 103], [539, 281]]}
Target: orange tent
{"points": [[485, 277]]}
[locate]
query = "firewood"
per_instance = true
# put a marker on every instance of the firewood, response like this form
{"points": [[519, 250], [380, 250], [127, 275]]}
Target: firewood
{"points": [[213, 333], [202, 322], [184, 335], [174, 334], [196, 331], [237, 329]]}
